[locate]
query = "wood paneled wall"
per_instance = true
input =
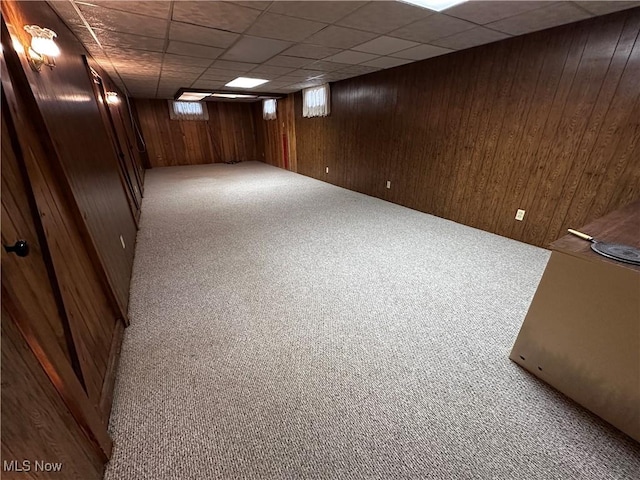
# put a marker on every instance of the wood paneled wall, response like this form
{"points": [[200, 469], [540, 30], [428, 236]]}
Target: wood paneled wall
{"points": [[46, 431], [228, 135], [69, 107], [276, 139], [548, 122]]}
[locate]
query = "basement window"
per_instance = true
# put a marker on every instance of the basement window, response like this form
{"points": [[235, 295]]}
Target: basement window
{"points": [[269, 109], [187, 111], [315, 101]]}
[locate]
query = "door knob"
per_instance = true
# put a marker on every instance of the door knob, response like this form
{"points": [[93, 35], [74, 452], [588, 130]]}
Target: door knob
{"points": [[20, 248]]}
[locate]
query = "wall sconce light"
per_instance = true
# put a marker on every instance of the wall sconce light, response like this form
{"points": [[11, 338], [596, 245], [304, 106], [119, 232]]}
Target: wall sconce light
{"points": [[43, 49], [112, 98]]}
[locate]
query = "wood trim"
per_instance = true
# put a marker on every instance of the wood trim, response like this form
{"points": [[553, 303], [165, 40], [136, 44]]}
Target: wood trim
{"points": [[106, 398], [64, 380]]}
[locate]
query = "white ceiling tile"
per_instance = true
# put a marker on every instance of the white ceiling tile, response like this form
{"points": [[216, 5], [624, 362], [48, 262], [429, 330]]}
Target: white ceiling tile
{"points": [[189, 69], [434, 26], [193, 50], [351, 57], [174, 76], [545, 17], [422, 52], [138, 79], [167, 84], [207, 84], [385, 45], [141, 84], [470, 38], [126, 22], [255, 49], [83, 35], [126, 40], [272, 69], [325, 66], [149, 8], [340, 37], [128, 72], [271, 25], [307, 84], [218, 74], [482, 12], [286, 61], [383, 17], [259, 5], [185, 32], [316, 52], [386, 62], [180, 61], [221, 15], [304, 73], [288, 79], [602, 8], [66, 11], [357, 70], [337, 76], [235, 66], [143, 58], [328, 12]]}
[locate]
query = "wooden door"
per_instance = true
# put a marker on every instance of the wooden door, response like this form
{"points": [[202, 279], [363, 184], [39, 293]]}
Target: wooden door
{"points": [[125, 162], [26, 278], [135, 167], [46, 410], [89, 304]]}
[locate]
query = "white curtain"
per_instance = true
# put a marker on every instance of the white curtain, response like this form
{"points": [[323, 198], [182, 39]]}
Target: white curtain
{"points": [[269, 109], [315, 101], [187, 111]]}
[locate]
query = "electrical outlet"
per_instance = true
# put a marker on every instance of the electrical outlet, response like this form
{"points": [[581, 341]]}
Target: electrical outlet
{"points": [[388, 183], [122, 242], [326, 170], [520, 215]]}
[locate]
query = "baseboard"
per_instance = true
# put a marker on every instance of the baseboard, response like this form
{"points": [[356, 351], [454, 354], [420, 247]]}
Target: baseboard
{"points": [[106, 396]]}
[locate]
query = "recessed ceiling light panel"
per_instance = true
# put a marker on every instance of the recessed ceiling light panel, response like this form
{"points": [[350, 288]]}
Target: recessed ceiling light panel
{"points": [[245, 82], [435, 5], [193, 96], [232, 95]]}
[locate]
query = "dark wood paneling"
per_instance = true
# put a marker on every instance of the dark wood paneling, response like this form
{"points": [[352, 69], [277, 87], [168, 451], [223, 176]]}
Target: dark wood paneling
{"points": [[36, 424], [123, 117], [36, 299], [228, 135], [276, 139], [90, 305], [29, 275], [547, 122], [67, 103]]}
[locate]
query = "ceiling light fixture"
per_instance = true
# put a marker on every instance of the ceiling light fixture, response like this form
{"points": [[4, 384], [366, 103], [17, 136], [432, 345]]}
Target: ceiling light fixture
{"points": [[193, 96], [246, 82], [112, 98], [232, 95], [43, 49], [435, 5]]}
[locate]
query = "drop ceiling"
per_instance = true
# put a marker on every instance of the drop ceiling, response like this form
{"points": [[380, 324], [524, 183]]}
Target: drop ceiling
{"points": [[154, 48]]}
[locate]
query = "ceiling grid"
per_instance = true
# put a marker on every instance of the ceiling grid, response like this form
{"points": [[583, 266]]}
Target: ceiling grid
{"points": [[154, 48]]}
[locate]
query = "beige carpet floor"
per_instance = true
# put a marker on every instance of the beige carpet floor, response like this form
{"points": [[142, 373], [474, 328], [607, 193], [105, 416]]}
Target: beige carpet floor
{"points": [[285, 328]]}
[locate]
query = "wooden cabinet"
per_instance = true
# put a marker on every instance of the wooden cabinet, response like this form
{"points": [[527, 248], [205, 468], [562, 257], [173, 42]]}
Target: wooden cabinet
{"points": [[582, 331]]}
